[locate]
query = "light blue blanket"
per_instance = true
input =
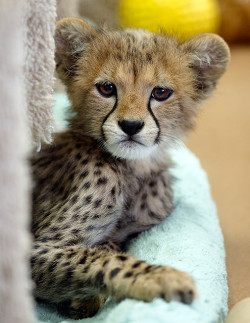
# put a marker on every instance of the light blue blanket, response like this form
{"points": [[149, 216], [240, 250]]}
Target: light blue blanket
{"points": [[190, 239]]}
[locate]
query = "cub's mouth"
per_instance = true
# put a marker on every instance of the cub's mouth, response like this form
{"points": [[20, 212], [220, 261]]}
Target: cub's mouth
{"points": [[129, 148], [131, 142]]}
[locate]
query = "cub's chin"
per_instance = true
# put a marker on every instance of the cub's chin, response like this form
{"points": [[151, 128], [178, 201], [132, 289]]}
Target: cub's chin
{"points": [[130, 150]]}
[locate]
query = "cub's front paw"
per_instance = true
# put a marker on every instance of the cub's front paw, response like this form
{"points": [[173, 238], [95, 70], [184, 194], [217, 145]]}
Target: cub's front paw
{"points": [[166, 283]]}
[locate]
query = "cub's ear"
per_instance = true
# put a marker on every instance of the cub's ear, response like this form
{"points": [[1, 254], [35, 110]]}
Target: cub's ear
{"points": [[71, 38], [208, 56]]}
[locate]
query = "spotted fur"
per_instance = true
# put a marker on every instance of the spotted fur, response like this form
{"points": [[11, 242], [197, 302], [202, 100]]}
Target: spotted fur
{"points": [[97, 185]]}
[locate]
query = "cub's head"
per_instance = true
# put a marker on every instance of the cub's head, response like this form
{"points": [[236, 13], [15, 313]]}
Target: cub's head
{"points": [[134, 91]]}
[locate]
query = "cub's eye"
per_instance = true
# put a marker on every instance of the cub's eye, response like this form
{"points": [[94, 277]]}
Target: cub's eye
{"points": [[161, 94], [106, 89]]}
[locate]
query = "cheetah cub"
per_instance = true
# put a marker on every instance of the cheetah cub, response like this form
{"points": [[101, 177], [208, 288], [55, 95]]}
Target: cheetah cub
{"points": [[106, 178]]}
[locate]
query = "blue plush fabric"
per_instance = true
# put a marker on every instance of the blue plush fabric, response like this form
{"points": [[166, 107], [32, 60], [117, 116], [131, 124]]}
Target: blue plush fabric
{"points": [[190, 239]]}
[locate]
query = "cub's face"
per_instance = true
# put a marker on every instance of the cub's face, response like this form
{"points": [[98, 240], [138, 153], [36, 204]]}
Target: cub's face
{"points": [[135, 91]]}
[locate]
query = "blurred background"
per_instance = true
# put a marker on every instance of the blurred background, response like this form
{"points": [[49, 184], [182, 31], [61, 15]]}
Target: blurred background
{"points": [[222, 137]]}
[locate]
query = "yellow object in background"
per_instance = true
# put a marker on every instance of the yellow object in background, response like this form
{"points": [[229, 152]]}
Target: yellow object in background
{"points": [[183, 18]]}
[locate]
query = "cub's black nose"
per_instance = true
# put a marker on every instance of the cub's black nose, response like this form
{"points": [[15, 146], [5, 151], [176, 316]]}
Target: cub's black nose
{"points": [[131, 127]]}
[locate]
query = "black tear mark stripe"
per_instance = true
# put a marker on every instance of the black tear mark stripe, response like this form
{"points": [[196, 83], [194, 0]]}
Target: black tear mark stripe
{"points": [[105, 119], [156, 121], [150, 111]]}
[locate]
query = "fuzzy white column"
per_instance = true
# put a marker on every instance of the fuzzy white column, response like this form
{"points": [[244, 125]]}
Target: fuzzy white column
{"points": [[39, 67], [15, 285]]}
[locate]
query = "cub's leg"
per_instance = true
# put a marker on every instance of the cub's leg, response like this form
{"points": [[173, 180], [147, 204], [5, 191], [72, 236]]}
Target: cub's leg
{"points": [[77, 276]]}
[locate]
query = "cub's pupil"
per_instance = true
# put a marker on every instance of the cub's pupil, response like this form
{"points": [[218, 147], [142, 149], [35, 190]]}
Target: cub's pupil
{"points": [[160, 92], [108, 88]]}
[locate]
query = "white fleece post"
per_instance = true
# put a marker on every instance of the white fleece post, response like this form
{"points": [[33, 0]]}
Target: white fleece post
{"points": [[39, 67], [15, 287], [26, 77]]}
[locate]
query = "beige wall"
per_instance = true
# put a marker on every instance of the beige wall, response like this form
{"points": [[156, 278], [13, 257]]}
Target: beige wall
{"points": [[222, 141]]}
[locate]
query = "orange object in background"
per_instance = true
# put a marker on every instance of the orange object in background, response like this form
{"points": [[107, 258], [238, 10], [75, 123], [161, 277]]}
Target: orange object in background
{"points": [[235, 20]]}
